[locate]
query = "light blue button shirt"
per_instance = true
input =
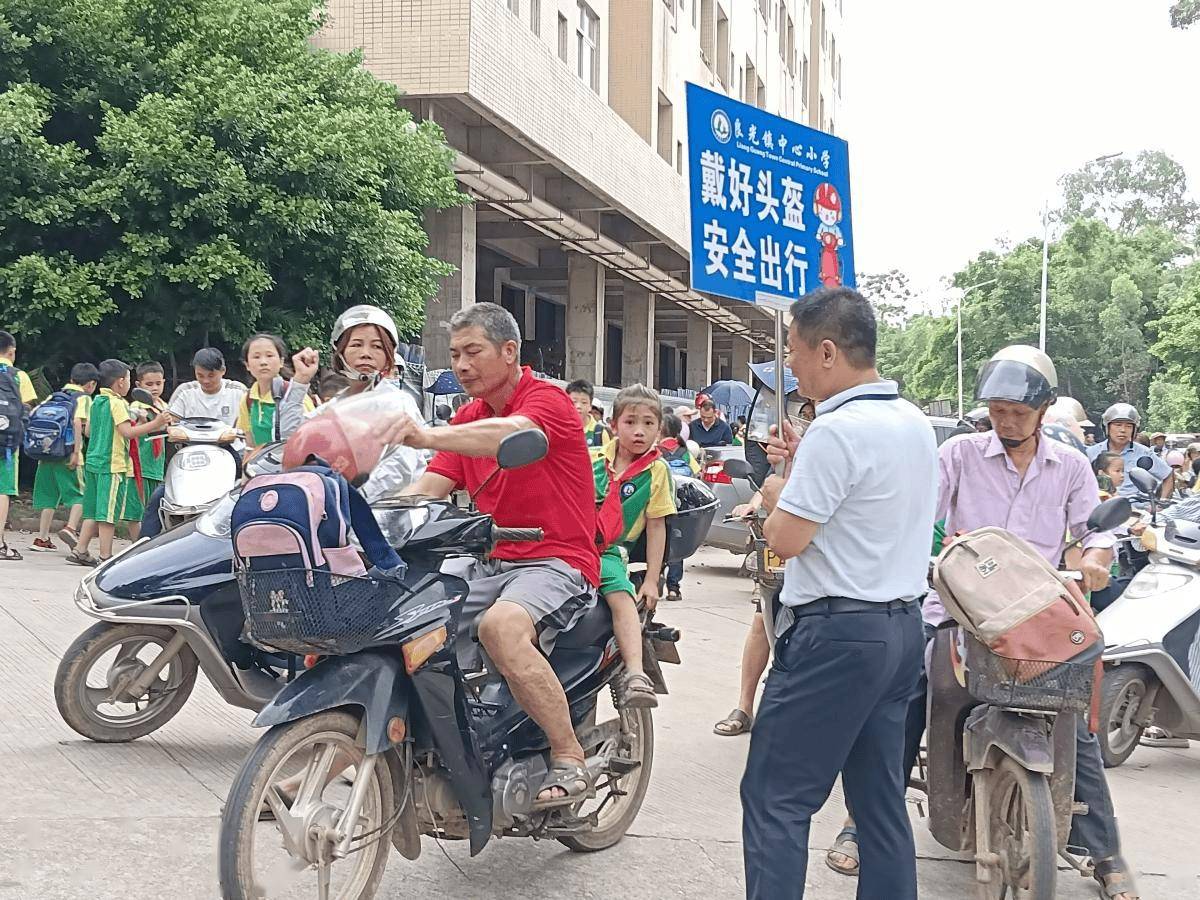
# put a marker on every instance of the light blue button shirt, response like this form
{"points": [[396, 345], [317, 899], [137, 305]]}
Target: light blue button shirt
{"points": [[866, 472], [1131, 454]]}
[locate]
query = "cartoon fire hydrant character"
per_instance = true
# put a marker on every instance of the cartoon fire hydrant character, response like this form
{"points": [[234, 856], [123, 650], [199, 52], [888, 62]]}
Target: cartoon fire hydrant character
{"points": [[827, 205]]}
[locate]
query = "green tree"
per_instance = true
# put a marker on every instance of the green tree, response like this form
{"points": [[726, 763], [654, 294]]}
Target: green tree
{"points": [[1185, 13], [1130, 193], [187, 172], [1121, 322], [1174, 402], [890, 294]]}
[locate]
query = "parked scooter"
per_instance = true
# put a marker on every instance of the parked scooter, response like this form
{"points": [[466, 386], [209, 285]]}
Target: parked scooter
{"points": [[1152, 633], [167, 606], [422, 748]]}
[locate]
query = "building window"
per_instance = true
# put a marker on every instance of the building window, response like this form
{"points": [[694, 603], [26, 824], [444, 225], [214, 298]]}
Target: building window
{"points": [[562, 37], [833, 56], [535, 17], [751, 84], [670, 5], [761, 102], [587, 44], [679, 157], [789, 53], [708, 34], [666, 127], [782, 22], [804, 77], [695, 9], [824, 33], [514, 6], [724, 57]]}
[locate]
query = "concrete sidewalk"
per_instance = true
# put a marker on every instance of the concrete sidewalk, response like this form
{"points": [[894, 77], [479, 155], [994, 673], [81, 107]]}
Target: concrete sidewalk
{"points": [[140, 820]]}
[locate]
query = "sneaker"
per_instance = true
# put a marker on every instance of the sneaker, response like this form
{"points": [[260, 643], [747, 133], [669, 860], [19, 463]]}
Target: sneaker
{"points": [[42, 545], [68, 537]]}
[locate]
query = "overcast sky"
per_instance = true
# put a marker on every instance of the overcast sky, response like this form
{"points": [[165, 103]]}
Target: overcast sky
{"points": [[962, 113]]}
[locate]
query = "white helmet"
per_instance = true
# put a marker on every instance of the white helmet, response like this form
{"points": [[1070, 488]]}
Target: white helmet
{"points": [[1019, 374], [1069, 406], [364, 314], [1121, 412]]}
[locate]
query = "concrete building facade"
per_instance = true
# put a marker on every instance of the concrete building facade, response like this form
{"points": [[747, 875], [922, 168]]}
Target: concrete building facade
{"points": [[569, 126]]}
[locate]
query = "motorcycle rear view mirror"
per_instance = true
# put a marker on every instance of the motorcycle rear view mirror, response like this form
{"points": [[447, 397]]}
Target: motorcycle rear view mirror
{"points": [[1110, 514], [1146, 483], [141, 395], [443, 413], [1145, 462], [522, 448]]}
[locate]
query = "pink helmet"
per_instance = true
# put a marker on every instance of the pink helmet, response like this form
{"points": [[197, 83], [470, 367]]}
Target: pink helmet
{"points": [[827, 197], [345, 443], [1176, 458]]}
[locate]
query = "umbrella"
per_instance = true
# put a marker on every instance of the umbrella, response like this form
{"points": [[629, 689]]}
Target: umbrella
{"points": [[730, 394], [445, 383], [765, 372]]}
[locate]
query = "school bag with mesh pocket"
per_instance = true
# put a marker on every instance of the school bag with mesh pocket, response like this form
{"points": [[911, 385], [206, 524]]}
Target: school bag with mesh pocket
{"points": [[1001, 590], [50, 432]]}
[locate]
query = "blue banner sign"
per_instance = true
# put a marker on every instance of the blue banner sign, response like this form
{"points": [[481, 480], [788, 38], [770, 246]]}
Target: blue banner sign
{"points": [[770, 203]]}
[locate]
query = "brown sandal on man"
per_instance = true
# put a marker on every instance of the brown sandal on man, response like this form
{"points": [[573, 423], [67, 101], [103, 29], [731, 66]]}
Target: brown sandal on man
{"points": [[737, 722]]}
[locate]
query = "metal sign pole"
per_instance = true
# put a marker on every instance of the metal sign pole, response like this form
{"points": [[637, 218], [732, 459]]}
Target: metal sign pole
{"points": [[780, 417]]}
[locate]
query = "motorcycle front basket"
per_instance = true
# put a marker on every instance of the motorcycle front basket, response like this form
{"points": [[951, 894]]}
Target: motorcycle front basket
{"points": [[1029, 683], [304, 611]]}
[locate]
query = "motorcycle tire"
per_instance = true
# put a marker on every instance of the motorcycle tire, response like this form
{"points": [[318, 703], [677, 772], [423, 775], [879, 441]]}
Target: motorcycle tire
{"points": [[610, 829], [1129, 682], [245, 803], [70, 681], [1036, 823]]}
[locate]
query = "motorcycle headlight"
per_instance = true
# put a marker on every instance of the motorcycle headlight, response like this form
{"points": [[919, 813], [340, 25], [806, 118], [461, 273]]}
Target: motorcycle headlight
{"points": [[215, 522], [1148, 583]]}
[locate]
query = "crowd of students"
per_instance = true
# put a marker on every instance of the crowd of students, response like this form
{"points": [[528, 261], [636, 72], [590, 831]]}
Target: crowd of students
{"points": [[114, 453]]}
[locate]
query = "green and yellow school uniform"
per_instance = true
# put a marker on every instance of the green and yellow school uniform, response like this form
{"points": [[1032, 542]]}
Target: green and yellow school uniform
{"points": [[596, 435], [10, 456], [108, 466], [649, 494], [256, 416], [152, 467], [56, 483]]}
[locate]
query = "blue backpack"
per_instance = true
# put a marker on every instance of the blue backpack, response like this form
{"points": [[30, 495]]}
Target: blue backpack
{"points": [[50, 432], [677, 461], [303, 519]]}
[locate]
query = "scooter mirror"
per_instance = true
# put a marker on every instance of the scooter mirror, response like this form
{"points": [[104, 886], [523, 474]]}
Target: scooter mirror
{"points": [[443, 413], [1146, 483], [141, 395], [1110, 514], [522, 448], [1145, 462], [737, 468]]}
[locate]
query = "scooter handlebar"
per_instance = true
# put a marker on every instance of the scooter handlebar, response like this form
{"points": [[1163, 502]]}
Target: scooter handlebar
{"points": [[519, 535]]}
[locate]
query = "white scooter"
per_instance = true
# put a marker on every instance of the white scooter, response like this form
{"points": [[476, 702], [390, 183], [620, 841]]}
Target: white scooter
{"points": [[205, 468], [1152, 634]]}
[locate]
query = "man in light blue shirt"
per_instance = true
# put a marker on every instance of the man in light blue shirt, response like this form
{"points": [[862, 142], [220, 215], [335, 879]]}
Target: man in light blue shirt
{"points": [[853, 520], [1121, 421]]}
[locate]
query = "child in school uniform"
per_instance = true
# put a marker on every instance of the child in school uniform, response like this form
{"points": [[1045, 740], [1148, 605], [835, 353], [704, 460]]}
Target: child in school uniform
{"points": [[108, 465], [16, 384], [151, 449], [259, 417], [58, 483]]}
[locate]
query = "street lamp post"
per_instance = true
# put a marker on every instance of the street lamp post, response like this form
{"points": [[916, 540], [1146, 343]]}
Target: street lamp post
{"points": [[960, 366], [1046, 252]]}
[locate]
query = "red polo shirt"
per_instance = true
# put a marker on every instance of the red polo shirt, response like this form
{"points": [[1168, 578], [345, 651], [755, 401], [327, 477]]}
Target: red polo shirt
{"points": [[557, 494]]}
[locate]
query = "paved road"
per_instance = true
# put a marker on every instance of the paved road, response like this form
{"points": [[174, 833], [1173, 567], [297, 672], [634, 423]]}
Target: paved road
{"points": [[88, 821]]}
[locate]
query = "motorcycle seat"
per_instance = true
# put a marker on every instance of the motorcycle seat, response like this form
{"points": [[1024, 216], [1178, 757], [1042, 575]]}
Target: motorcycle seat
{"points": [[593, 630]]}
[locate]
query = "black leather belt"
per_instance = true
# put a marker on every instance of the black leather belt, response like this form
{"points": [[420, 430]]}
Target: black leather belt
{"points": [[829, 606]]}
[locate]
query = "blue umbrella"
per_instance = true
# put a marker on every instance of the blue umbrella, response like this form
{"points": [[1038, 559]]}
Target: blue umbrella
{"points": [[730, 394], [445, 383], [765, 372]]}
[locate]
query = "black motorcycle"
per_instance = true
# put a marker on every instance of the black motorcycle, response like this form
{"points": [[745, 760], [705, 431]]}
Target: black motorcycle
{"points": [[383, 738]]}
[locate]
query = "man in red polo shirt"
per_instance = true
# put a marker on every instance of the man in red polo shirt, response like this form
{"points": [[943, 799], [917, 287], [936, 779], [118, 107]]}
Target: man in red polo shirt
{"points": [[527, 593]]}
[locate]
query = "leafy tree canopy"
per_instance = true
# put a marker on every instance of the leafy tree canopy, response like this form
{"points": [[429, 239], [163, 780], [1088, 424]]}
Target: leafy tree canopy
{"points": [[1132, 192], [1185, 13], [180, 173]]}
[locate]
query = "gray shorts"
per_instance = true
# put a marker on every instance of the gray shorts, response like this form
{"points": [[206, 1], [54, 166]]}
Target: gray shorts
{"points": [[555, 596]]}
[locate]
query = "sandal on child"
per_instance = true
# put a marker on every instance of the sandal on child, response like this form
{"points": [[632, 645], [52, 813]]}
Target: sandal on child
{"points": [[9, 553], [635, 690]]}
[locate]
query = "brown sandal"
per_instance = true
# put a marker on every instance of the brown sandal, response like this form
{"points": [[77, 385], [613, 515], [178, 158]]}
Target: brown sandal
{"points": [[737, 722], [635, 690]]}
